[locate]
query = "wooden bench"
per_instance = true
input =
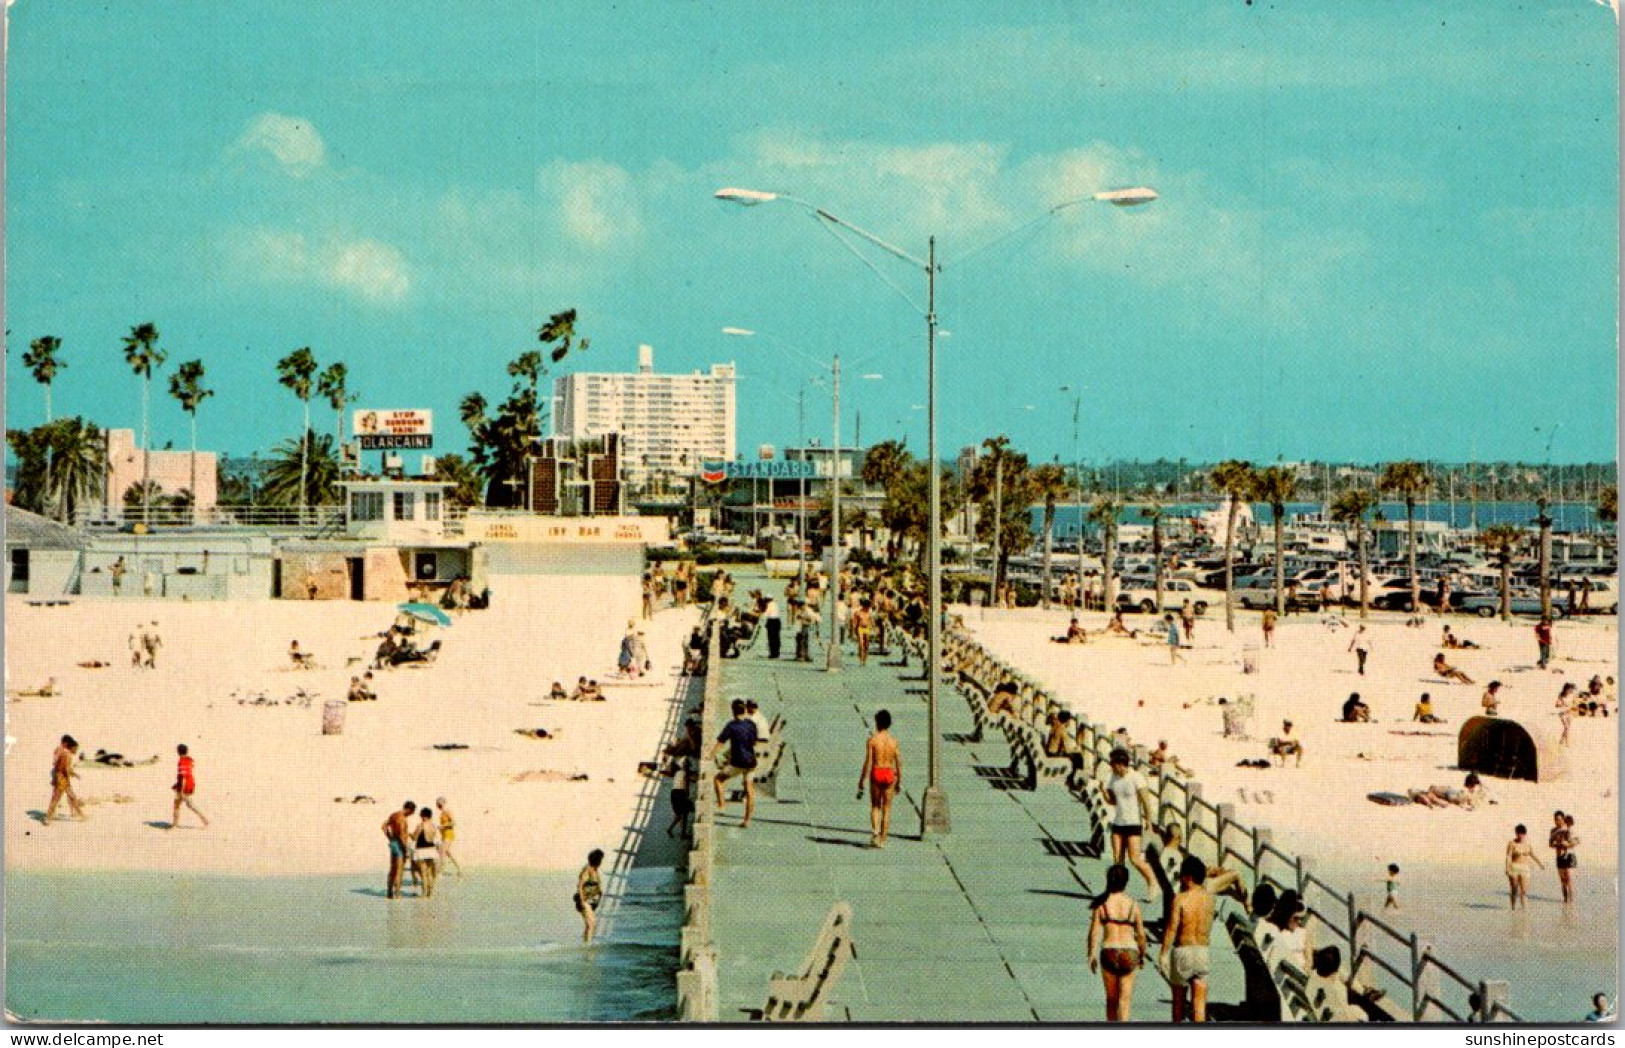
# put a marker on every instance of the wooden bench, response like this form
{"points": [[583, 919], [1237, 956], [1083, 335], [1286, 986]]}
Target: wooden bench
{"points": [[801, 998], [766, 775]]}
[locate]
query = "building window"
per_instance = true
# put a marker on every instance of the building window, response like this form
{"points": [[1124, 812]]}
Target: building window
{"points": [[431, 505], [403, 505], [367, 505]]}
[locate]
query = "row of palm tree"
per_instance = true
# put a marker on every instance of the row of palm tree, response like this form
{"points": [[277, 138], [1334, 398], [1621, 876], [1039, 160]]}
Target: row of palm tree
{"points": [[146, 357]]}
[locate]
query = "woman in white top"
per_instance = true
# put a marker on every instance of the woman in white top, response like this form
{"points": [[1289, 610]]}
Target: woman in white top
{"points": [[1125, 792]]}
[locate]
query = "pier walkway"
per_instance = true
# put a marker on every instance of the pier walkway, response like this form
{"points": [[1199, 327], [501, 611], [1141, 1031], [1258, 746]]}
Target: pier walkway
{"points": [[988, 923]]}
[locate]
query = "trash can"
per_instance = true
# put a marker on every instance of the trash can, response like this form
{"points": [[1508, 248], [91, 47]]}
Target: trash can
{"points": [[333, 717], [1249, 659]]}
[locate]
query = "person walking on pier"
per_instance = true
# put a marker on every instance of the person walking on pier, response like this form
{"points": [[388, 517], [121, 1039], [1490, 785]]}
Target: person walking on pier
{"points": [[739, 736], [883, 771], [1185, 942], [1129, 797], [1117, 931]]}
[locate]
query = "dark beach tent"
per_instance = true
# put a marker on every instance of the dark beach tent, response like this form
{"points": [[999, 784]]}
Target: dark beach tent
{"points": [[1509, 749]]}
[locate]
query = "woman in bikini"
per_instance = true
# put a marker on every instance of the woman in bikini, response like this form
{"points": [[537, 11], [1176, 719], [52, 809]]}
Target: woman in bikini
{"points": [[426, 850], [589, 893], [1520, 853], [1117, 931], [1449, 672]]}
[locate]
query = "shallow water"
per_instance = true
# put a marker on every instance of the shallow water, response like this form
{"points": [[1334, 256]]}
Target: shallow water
{"points": [[489, 948]]}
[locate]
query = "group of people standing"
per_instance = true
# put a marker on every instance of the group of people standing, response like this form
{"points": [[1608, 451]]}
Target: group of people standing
{"points": [[422, 848]]}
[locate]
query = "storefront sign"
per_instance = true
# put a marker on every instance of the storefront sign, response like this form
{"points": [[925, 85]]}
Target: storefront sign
{"points": [[716, 472], [647, 531]]}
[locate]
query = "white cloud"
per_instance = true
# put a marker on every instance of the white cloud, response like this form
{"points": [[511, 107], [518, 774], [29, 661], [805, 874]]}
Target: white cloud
{"points": [[595, 203], [368, 269], [291, 141]]}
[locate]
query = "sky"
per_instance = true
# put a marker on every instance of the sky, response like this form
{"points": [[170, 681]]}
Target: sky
{"points": [[1384, 230]]}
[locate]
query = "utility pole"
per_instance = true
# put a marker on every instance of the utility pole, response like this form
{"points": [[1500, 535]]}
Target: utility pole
{"points": [[832, 658], [801, 503], [934, 802], [998, 517]]}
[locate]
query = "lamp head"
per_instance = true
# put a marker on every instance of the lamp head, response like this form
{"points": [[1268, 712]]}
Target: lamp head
{"points": [[1124, 197], [744, 197]]}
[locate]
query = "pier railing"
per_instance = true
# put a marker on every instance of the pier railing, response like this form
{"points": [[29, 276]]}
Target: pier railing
{"points": [[697, 963], [1417, 985]]}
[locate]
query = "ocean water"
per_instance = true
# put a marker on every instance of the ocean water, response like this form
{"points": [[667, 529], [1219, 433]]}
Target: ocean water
{"points": [[489, 948], [1568, 516]]}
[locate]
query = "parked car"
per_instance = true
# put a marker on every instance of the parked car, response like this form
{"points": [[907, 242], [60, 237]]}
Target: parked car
{"points": [[1175, 592], [1488, 605], [1306, 597]]}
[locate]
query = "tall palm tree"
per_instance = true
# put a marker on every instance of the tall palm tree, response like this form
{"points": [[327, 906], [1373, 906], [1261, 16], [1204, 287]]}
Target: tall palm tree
{"points": [[186, 386], [1409, 480], [1543, 521], [998, 449], [141, 352], [295, 371], [1104, 513], [1049, 484], [332, 383], [1276, 486], [43, 363], [1350, 507], [1233, 479], [1502, 542], [1155, 511]]}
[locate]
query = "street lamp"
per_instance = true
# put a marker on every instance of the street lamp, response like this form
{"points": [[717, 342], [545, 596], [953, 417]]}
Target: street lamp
{"points": [[832, 654], [934, 802]]}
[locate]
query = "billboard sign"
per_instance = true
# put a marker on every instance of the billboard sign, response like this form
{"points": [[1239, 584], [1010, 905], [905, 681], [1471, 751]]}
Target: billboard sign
{"points": [[716, 472], [381, 430]]}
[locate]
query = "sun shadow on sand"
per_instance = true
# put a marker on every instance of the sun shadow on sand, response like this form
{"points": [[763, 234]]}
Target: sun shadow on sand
{"points": [[158, 824]]}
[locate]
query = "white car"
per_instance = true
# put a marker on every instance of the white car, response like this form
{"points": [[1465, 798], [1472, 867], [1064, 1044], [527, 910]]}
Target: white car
{"points": [[1175, 592]]}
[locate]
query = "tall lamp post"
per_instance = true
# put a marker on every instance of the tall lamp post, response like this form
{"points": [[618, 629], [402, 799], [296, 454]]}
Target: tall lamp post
{"points": [[934, 802], [832, 654], [1077, 475]]}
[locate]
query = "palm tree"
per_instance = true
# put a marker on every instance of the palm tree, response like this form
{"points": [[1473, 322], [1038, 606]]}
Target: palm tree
{"points": [[43, 363], [1104, 513], [998, 450], [1234, 479], [332, 384], [141, 352], [1502, 541], [302, 472], [1049, 484], [1276, 486], [1543, 520], [295, 371], [1408, 479], [1155, 511], [186, 386], [80, 452], [1350, 507]]}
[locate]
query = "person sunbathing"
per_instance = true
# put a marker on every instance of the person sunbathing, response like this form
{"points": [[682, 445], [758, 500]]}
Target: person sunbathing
{"points": [[1355, 711], [558, 694], [1003, 699], [1424, 711], [1074, 634], [1117, 628], [301, 659], [1220, 881], [592, 693], [1287, 744], [1449, 672], [1453, 642], [44, 691]]}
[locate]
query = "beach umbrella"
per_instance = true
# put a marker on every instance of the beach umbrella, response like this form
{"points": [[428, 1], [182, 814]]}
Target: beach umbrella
{"points": [[425, 612]]}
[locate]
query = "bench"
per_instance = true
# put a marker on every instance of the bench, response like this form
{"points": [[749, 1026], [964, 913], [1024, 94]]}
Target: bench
{"points": [[801, 998], [766, 775]]}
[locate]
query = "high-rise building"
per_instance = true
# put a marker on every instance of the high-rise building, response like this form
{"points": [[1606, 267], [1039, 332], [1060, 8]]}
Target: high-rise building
{"points": [[669, 423]]}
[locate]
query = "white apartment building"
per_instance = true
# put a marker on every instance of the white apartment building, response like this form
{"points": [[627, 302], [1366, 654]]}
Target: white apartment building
{"points": [[670, 423]]}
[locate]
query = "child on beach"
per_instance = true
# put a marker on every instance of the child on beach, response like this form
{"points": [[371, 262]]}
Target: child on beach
{"points": [[1391, 888], [185, 786]]}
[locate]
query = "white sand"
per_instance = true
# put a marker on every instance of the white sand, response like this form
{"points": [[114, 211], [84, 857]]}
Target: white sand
{"points": [[267, 777], [1320, 810]]}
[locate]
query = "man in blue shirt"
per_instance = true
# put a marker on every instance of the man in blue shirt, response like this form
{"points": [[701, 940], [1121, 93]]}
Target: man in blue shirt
{"points": [[739, 736]]}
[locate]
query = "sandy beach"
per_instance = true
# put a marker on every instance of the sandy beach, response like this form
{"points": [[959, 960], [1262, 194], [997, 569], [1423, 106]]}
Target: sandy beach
{"points": [[1320, 809], [280, 796]]}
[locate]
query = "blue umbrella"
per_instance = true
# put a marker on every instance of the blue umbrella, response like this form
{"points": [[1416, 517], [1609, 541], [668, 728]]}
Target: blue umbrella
{"points": [[426, 612]]}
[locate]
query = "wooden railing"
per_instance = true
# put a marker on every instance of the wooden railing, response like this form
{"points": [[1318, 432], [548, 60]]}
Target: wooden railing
{"points": [[697, 963], [1418, 986]]}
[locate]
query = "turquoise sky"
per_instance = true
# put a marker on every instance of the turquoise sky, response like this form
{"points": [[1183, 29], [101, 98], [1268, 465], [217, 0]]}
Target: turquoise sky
{"points": [[1387, 229]]}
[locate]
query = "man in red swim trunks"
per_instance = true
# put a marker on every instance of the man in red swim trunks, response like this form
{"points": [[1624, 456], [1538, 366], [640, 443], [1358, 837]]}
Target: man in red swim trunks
{"points": [[883, 770]]}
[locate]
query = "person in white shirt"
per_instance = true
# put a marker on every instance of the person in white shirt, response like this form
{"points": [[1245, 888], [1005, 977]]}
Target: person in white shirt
{"points": [[1129, 797]]}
